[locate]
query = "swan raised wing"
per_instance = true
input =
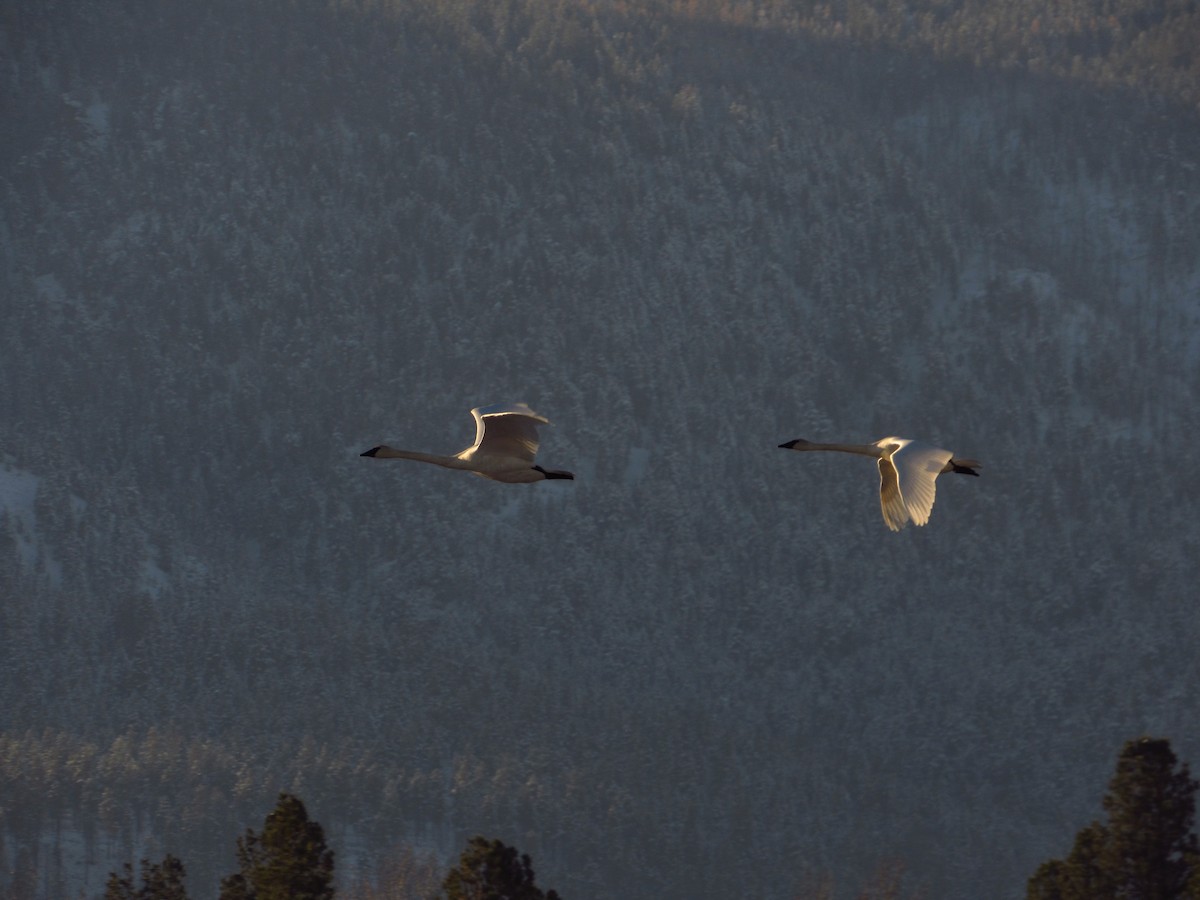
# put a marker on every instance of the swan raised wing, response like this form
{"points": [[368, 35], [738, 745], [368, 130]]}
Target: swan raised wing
{"points": [[912, 469], [506, 430]]}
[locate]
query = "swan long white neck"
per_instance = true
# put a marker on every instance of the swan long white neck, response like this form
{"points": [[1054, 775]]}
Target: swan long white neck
{"points": [[861, 449], [449, 462]]}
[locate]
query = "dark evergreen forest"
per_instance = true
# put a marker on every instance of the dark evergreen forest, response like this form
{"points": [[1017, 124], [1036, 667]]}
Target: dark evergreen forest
{"points": [[241, 242]]}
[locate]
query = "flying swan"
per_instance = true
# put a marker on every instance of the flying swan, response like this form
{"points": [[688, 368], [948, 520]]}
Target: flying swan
{"points": [[506, 441], [907, 471]]}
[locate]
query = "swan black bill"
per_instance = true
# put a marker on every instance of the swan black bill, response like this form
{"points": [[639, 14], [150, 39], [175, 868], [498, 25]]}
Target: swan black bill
{"points": [[370, 452], [787, 445]]}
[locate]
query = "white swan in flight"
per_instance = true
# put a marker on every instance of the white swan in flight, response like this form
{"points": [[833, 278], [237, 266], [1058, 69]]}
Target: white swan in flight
{"points": [[907, 471], [506, 441]]}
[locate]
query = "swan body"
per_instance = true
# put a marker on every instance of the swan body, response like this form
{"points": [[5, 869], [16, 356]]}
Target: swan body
{"points": [[907, 472], [506, 442]]}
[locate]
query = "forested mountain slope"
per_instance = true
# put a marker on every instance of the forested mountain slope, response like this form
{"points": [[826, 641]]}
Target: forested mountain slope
{"points": [[242, 242]]}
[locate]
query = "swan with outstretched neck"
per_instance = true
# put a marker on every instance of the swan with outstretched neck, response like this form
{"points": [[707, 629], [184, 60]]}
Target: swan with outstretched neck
{"points": [[506, 443], [907, 472]]}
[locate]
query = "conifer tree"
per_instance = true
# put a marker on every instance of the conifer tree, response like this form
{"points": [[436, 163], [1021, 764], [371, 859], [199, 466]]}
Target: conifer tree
{"points": [[118, 888], [160, 881], [491, 870], [1079, 876], [1147, 851], [288, 861]]}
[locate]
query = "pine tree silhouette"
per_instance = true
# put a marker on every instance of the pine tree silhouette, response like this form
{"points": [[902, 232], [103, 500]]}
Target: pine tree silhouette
{"points": [[491, 870], [288, 861], [160, 881], [1147, 851]]}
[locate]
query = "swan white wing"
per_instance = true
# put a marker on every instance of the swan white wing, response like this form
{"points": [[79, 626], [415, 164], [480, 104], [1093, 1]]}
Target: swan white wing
{"points": [[917, 467], [891, 501], [506, 430]]}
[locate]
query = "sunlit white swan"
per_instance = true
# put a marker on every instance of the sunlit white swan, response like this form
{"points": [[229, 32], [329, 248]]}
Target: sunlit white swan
{"points": [[506, 441], [907, 471]]}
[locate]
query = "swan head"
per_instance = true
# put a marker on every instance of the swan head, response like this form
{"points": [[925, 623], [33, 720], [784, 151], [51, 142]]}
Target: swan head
{"points": [[797, 444]]}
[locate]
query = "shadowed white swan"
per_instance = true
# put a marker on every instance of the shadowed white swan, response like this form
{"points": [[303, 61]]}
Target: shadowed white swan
{"points": [[506, 441], [907, 472]]}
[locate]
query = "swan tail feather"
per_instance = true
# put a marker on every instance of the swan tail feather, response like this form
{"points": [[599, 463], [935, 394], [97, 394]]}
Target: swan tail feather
{"points": [[555, 473]]}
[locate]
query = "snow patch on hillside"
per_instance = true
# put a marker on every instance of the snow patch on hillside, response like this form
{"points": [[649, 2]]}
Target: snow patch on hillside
{"points": [[18, 491], [18, 495]]}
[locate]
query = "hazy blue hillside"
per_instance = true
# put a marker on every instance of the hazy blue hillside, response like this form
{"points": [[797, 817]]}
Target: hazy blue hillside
{"points": [[242, 242]]}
